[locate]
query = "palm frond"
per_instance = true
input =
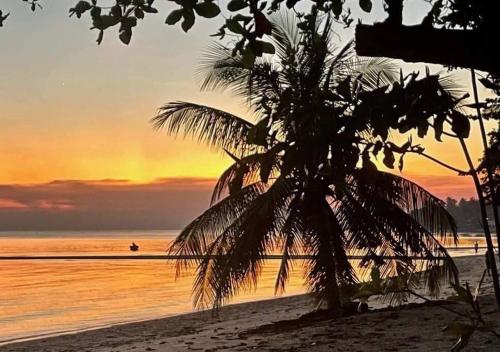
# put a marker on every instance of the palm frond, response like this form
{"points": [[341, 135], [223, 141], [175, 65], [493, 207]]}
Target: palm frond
{"points": [[372, 73], [449, 85], [339, 62], [234, 259], [376, 72], [219, 69], [246, 170], [217, 128], [291, 239], [405, 218], [285, 36], [195, 238], [423, 206]]}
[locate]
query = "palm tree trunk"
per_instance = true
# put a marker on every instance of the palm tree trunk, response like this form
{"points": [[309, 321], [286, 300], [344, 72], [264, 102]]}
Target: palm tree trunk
{"points": [[326, 259], [487, 162], [484, 218], [326, 263], [333, 301]]}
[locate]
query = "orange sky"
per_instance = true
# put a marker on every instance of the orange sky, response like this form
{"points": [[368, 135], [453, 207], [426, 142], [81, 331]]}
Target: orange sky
{"points": [[71, 110]]}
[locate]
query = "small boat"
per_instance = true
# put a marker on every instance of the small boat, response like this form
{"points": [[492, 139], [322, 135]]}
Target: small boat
{"points": [[134, 247]]}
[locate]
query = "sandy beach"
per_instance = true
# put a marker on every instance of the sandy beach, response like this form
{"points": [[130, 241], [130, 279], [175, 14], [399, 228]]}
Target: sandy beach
{"points": [[260, 326]]}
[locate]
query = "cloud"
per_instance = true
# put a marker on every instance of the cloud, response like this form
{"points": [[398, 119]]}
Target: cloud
{"points": [[56, 204], [6, 203], [168, 203], [103, 204]]}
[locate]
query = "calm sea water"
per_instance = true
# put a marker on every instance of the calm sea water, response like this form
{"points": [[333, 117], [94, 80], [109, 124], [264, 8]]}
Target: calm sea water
{"points": [[44, 297]]}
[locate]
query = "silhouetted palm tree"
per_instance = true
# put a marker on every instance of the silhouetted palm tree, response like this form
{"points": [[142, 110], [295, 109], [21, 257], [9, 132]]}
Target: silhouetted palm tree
{"points": [[302, 179]]}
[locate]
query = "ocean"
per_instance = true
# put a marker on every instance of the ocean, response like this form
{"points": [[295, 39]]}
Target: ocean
{"points": [[46, 297]]}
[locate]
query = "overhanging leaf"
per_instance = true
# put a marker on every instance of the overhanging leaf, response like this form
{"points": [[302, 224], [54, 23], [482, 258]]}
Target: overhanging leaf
{"points": [[174, 17], [188, 21], [207, 9], [236, 5], [460, 124]]}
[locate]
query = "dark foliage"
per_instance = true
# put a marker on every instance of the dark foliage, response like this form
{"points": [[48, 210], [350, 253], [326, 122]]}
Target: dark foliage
{"points": [[492, 154]]}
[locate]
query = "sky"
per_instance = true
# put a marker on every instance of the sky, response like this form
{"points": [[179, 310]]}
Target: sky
{"points": [[103, 205], [75, 136]]}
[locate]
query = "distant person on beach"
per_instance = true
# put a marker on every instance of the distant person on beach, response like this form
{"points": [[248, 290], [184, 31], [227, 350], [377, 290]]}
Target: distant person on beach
{"points": [[476, 247]]}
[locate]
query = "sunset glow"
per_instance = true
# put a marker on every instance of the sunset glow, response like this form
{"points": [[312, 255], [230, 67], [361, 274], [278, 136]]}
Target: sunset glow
{"points": [[72, 110]]}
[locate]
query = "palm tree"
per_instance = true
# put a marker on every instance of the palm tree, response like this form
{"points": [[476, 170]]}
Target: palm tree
{"points": [[302, 180]]}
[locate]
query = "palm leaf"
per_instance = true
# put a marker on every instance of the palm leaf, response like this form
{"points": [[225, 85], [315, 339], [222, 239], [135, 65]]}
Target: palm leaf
{"points": [[219, 69], [234, 259], [285, 36], [405, 217], [373, 73], [217, 128], [291, 240], [195, 238], [247, 170], [424, 207]]}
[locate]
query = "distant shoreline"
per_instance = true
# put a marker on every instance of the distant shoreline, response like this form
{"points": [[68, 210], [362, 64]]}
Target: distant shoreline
{"points": [[177, 257]]}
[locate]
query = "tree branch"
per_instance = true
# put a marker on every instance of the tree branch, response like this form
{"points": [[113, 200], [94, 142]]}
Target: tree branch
{"points": [[437, 161]]}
